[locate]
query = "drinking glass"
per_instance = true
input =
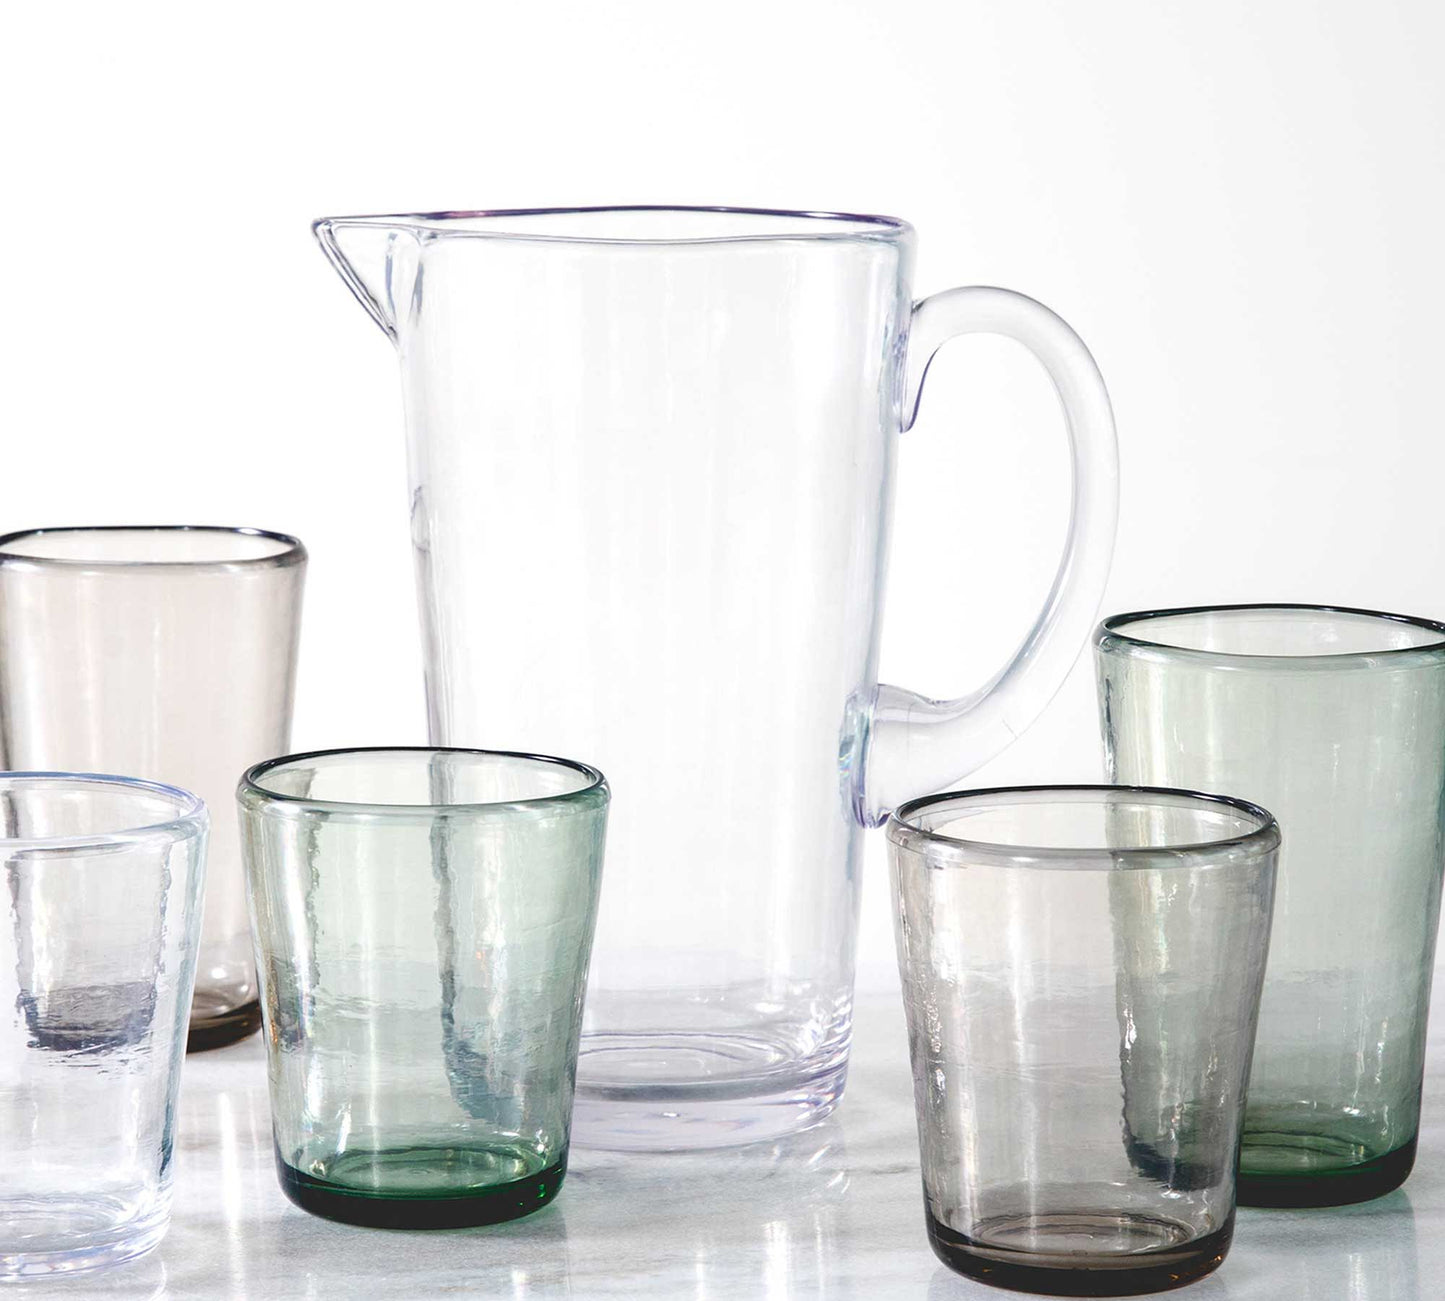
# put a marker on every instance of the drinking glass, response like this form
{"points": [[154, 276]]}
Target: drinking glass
{"points": [[1334, 719], [668, 435], [423, 923], [1081, 972], [167, 653], [97, 956]]}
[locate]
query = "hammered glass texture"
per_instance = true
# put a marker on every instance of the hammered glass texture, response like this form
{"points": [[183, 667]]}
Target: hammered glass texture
{"points": [[1081, 971], [423, 924], [102, 891], [162, 653], [1335, 720], [651, 457]]}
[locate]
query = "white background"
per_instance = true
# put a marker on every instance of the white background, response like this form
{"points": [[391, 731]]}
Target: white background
{"points": [[1238, 204]]}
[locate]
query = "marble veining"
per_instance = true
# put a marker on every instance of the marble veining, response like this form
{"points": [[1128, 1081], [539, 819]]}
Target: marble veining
{"points": [[833, 1213]]}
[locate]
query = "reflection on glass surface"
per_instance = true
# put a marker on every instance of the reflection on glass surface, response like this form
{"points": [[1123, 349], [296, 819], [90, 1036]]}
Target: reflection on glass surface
{"points": [[945, 1285], [230, 1188], [1358, 1253], [143, 1279], [762, 1221], [766, 1221]]}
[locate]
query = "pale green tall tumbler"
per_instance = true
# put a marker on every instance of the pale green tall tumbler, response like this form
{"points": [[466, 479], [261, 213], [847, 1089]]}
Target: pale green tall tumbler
{"points": [[1333, 719]]}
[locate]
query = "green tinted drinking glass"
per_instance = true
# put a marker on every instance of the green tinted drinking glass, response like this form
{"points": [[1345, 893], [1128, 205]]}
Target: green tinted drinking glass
{"points": [[1334, 719], [423, 922]]}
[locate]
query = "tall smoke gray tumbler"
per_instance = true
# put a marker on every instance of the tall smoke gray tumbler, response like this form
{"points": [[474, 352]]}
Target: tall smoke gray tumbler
{"points": [[167, 653]]}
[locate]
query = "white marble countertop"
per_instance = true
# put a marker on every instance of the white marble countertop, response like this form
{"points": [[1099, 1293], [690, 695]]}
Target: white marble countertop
{"points": [[836, 1212]]}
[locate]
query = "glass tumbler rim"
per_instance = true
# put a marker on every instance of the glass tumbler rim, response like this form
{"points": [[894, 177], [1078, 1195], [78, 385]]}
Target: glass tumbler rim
{"points": [[291, 550], [251, 791], [190, 818], [961, 851], [829, 226], [1109, 636]]}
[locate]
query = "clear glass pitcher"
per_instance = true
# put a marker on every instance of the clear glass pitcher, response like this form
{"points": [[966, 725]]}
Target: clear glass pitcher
{"points": [[651, 456]]}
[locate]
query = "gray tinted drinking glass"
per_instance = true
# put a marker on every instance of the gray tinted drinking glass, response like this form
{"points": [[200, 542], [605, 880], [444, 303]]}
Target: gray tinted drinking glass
{"points": [[163, 653], [1334, 719], [423, 923], [1081, 971], [102, 887]]}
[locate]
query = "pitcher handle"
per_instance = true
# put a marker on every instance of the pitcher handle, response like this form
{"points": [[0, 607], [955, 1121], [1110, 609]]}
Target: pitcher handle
{"points": [[917, 745]]}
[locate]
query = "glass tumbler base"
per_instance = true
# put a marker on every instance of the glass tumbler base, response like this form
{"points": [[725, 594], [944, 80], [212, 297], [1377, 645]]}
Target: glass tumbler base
{"points": [[61, 1239], [1081, 1252], [687, 1115], [217, 1029], [1286, 1170], [421, 1197]]}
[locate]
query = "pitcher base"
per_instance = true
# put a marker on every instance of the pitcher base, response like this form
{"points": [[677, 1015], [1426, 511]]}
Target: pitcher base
{"points": [[682, 1115]]}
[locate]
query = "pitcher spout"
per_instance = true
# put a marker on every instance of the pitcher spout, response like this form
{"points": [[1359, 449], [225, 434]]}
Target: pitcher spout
{"points": [[378, 260]]}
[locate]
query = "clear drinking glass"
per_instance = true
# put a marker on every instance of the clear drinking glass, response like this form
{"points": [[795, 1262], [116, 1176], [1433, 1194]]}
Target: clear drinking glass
{"points": [[423, 923], [97, 956], [1335, 720], [167, 653], [1081, 971], [667, 436]]}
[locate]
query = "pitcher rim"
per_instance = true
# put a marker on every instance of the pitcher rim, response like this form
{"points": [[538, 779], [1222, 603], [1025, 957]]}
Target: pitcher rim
{"points": [[847, 226]]}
